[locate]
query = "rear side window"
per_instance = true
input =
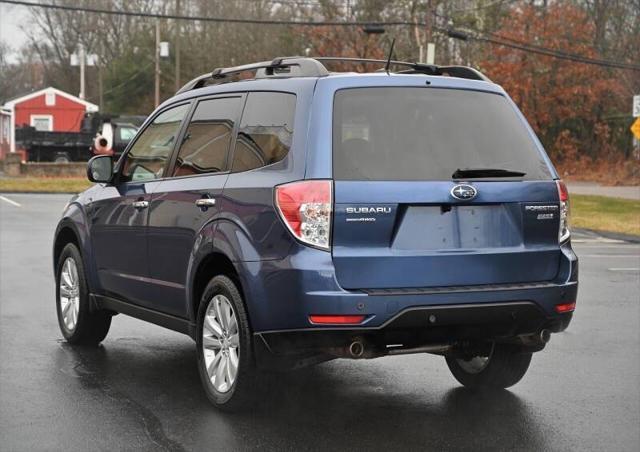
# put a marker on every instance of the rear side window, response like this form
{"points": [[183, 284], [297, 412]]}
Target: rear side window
{"points": [[427, 134], [205, 145], [266, 130]]}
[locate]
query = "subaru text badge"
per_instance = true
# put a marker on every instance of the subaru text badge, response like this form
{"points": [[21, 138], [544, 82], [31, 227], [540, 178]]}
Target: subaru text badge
{"points": [[464, 192]]}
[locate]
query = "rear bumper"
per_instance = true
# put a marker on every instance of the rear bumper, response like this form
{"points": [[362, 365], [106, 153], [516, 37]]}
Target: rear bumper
{"points": [[419, 326], [282, 294]]}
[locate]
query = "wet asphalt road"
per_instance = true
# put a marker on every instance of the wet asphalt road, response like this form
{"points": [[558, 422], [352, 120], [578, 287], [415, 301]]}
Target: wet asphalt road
{"points": [[140, 390]]}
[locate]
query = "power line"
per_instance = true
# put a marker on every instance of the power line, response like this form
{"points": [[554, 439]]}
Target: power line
{"points": [[449, 21], [210, 18], [556, 53], [477, 36], [496, 39], [128, 79]]}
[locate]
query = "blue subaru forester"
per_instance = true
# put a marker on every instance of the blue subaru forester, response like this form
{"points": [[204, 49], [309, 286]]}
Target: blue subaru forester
{"points": [[304, 215]]}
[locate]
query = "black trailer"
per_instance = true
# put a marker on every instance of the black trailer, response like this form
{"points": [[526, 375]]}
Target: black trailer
{"points": [[65, 147], [60, 147]]}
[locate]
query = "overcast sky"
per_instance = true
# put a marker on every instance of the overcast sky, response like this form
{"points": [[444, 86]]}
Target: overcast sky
{"points": [[13, 17]]}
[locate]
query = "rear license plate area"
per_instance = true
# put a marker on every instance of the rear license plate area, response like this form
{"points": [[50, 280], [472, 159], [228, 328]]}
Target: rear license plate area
{"points": [[455, 227]]}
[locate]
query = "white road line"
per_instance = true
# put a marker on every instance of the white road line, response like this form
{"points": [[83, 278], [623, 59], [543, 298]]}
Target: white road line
{"points": [[626, 245], [630, 269], [13, 203], [635, 256], [596, 241]]}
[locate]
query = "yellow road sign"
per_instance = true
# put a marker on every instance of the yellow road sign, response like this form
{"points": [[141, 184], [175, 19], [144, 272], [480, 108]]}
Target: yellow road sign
{"points": [[635, 128]]}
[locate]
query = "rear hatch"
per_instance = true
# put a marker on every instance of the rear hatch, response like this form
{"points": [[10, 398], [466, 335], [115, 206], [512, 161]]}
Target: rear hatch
{"points": [[439, 187]]}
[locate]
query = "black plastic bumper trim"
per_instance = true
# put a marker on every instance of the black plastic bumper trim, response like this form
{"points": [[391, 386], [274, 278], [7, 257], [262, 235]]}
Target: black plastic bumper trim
{"points": [[510, 305], [425, 325]]}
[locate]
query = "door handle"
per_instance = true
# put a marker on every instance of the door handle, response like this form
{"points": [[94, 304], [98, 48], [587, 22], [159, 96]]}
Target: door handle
{"points": [[204, 203], [141, 204]]}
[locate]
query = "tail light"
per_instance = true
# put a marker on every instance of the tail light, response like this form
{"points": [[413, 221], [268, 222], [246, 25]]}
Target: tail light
{"points": [[337, 319], [563, 193], [305, 207], [566, 307]]}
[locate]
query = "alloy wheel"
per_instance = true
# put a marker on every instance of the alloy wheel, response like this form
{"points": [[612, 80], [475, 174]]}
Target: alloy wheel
{"points": [[221, 343], [69, 294]]}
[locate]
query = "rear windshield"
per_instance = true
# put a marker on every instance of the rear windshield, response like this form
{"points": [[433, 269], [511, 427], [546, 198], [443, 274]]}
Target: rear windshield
{"points": [[427, 134]]}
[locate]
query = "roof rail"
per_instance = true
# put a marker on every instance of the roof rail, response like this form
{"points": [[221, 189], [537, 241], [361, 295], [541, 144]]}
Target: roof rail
{"points": [[419, 68], [283, 66], [312, 67]]}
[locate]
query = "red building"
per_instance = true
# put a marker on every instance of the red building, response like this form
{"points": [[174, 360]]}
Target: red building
{"points": [[48, 109]]}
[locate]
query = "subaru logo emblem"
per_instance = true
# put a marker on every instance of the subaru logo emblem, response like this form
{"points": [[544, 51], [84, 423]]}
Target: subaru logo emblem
{"points": [[464, 192]]}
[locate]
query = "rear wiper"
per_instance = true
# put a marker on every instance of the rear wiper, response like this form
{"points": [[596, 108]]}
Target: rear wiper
{"points": [[485, 172]]}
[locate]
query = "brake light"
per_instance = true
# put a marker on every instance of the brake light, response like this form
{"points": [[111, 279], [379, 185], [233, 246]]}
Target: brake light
{"points": [[337, 319], [305, 207], [565, 211], [567, 307]]}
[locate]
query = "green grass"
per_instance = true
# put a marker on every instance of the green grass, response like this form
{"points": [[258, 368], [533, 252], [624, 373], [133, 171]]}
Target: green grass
{"points": [[602, 213], [44, 184]]}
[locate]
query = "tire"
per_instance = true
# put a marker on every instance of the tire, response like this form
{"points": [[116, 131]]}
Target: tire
{"points": [[62, 158], [504, 367], [78, 323], [228, 337]]}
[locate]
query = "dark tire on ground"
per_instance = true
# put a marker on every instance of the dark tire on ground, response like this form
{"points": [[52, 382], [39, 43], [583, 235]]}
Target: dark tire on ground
{"points": [[91, 326], [62, 158], [240, 395], [505, 366]]}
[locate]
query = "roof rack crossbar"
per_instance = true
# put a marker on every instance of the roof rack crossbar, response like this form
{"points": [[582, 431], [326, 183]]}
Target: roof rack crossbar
{"points": [[313, 67]]}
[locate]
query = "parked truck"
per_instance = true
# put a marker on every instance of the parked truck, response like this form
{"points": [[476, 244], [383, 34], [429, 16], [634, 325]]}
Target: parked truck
{"points": [[99, 134]]}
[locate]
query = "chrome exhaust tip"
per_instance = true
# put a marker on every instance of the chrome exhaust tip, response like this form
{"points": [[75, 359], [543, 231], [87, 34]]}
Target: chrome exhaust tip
{"points": [[544, 336], [356, 349]]}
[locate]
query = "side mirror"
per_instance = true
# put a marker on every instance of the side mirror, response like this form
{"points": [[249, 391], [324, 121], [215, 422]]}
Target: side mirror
{"points": [[100, 169]]}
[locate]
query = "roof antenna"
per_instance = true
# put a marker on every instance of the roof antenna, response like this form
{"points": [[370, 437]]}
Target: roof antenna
{"points": [[386, 66]]}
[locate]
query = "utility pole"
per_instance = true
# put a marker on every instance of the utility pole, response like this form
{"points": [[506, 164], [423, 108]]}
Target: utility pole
{"points": [[100, 85], [82, 57], [428, 34], [178, 30], [100, 88], [416, 31], [157, 90]]}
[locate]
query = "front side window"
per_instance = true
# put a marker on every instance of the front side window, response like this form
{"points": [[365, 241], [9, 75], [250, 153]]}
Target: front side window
{"points": [[266, 130], [150, 153], [206, 143]]}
